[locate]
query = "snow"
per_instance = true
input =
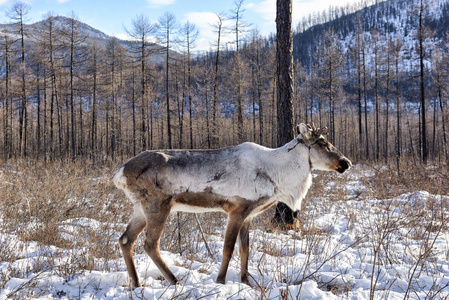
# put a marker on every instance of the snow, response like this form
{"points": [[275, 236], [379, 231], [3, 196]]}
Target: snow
{"points": [[333, 257]]}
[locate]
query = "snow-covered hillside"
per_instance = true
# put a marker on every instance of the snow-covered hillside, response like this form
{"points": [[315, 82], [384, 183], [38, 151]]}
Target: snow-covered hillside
{"points": [[392, 20], [349, 244]]}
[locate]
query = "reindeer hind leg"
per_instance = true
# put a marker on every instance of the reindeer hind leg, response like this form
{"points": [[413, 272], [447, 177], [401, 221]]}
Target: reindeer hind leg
{"points": [[156, 222]]}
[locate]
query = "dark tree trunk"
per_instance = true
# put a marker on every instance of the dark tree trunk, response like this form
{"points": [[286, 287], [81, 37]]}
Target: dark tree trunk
{"points": [[422, 85], [284, 75]]}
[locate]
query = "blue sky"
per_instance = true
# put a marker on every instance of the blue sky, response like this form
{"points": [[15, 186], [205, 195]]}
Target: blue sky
{"points": [[112, 17]]}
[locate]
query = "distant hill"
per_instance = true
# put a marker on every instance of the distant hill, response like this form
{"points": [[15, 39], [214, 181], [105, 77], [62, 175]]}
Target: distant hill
{"points": [[91, 34], [392, 18], [32, 30]]}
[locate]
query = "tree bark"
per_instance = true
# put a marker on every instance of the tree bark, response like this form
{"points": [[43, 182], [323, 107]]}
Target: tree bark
{"points": [[284, 91]]}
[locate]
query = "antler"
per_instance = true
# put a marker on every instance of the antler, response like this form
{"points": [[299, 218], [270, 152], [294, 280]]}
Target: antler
{"points": [[317, 131], [321, 131]]}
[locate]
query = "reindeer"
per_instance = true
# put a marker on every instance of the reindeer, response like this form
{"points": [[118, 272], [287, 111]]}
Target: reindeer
{"points": [[242, 181]]}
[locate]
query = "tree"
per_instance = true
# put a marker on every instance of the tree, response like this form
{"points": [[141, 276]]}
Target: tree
{"points": [[18, 14], [93, 74], [440, 69], [218, 28], [237, 16], [142, 31], [49, 41], [6, 51], [284, 71], [74, 39], [113, 64], [284, 90], [360, 44], [190, 34], [422, 34], [256, 75], [329, 71], [396, 48], [387, 97], [375, 45], [167, 25]]}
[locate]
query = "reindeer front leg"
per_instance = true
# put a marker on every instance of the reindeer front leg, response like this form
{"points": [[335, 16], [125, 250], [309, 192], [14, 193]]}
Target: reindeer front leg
{"points": [[235, 222]]}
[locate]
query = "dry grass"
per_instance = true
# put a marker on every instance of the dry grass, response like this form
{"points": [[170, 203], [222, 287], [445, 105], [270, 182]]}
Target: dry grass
{"points": [[46, 203], [37, 198]]}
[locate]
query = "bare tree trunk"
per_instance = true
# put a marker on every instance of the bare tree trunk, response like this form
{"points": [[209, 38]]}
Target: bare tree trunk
{"points": [[133, 107], [360, 44], [72, 105], [387, 102], [376, 93], [38, 112], [398, 108], [259, 96], [7, 102], [366, 105], [189, 87], [18, 13], [284, 75], [443, 121], [215, 139], [141, 31], [237, 16], [421, 38]]}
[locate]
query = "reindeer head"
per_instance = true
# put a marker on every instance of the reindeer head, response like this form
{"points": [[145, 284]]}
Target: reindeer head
{"points": [[323, 155]]}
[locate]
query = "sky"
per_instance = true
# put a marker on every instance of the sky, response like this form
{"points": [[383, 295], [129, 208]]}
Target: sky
{"points": [[112, 17]]}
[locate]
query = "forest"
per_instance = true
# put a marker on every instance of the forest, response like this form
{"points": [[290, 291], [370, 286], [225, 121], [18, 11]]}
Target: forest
{"points": [[68, 94], [76, 103]]}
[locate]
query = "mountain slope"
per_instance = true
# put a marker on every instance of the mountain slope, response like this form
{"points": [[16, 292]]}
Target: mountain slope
{"points": [[60, 22], [392, 18]]}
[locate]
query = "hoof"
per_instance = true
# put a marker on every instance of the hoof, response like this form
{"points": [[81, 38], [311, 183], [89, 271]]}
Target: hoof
{"points": [[245, 280], [135, 285], [173, 281], [220, 281]]}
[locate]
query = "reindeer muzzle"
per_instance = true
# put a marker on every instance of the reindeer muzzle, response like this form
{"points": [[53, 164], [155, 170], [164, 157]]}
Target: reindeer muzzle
{"points": [[344, 165]]}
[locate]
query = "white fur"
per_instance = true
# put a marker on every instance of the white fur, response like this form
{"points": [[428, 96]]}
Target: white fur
{"points": [[193, 209], [120, 181], [248, 171], [286, 175]]}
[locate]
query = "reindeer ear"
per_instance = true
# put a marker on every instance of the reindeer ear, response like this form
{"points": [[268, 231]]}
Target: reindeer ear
{"points": [[305, 131]]}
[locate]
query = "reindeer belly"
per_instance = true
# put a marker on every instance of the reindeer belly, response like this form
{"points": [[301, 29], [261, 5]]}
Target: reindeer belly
{"points": [[200, 202], [210, 202]]}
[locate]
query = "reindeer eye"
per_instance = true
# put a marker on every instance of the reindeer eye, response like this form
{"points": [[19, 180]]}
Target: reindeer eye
{"points": [[324, 145]]}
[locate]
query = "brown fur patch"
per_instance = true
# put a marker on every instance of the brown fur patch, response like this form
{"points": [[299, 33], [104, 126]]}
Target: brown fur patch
{"points": [[215, 201], [137, 165]]}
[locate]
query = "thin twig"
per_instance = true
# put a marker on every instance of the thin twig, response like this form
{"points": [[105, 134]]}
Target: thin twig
{"points": [[202, 236]]}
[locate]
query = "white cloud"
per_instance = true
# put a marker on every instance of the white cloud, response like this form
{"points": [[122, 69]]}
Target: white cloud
{"points": [[159, 3], [3, 2], [205, 22], [264, 14], [62, 1], [265, 9]]}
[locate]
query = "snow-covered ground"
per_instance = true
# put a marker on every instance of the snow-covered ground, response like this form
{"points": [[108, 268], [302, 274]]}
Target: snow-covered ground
{"points": [[349, 245]]}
